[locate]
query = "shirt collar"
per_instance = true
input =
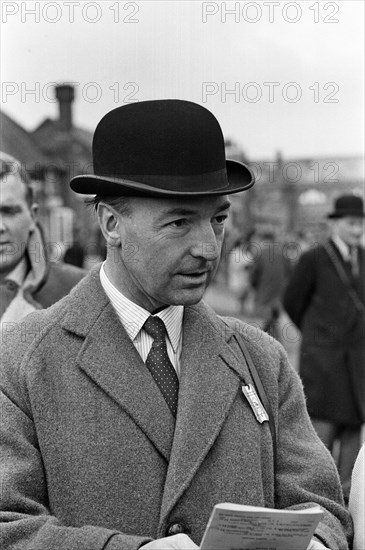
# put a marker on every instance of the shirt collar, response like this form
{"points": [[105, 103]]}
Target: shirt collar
{"points": [[17, 275], [133, 316]]}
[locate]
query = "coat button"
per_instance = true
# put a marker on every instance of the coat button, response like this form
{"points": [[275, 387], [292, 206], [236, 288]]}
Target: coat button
{"points": [[175, 529]]}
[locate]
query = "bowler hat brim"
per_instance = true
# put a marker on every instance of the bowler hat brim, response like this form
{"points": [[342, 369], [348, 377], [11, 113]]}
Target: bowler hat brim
{"points": [[239, 178], [345, 214]]}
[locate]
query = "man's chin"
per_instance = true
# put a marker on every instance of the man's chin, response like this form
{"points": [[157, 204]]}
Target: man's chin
{"points": [[5, 266], [189, 297]]}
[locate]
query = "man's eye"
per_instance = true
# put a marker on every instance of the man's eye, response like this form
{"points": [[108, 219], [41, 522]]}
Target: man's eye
{"points": [[10, 210], [179, 223], [220, 219]]}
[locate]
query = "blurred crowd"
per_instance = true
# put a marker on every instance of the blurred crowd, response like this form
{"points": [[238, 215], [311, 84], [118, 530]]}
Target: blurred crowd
{"points": [[316, 289], [259, 268]]}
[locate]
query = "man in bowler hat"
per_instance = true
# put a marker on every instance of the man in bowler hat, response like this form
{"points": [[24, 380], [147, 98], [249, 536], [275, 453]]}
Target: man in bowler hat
{"points": [[129, 408], [326, 300]]}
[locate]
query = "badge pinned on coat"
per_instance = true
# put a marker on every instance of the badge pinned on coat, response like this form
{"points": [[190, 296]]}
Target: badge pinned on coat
{"points": [[255, 403]]}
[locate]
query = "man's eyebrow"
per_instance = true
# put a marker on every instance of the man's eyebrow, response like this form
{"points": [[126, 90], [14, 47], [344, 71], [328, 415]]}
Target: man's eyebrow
{"points": [[224, 206], [181, 211], [10, 208], [178, 211]]}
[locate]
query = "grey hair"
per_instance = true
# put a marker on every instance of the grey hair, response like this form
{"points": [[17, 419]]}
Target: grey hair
{"points": [[121, 204]]}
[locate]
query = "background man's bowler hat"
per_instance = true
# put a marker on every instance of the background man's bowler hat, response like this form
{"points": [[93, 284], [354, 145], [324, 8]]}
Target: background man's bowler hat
{"points": [[164, 148], [348, 205]]}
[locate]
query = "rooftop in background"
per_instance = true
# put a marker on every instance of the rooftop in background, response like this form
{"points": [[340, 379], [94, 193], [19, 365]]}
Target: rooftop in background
{"points": [[55, 144], [19, 143], [60, 140]]}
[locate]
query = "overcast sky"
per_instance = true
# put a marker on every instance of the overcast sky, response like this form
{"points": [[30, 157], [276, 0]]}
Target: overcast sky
{"points": [[296, 68]]}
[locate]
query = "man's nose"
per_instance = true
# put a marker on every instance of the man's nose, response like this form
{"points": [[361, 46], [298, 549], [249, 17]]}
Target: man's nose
{"points": [[205, 244]]}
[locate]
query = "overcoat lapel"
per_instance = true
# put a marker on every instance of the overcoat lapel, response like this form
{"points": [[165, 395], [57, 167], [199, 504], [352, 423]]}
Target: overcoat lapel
{"points": [[211, 376], [110, 359], [346, 266]]}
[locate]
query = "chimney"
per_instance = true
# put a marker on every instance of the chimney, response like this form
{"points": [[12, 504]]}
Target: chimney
{"points": [[65, 95]]}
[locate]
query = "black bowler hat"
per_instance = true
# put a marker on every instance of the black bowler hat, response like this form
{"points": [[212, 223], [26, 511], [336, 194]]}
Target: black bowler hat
{"points": [[164, 148], [348, 205]]}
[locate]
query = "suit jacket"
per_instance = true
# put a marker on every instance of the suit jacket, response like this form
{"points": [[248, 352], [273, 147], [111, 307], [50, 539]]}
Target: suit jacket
{"points": [[91, 458], [332, 360]]}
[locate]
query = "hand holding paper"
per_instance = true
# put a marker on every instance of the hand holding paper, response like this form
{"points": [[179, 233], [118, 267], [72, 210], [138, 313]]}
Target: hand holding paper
{"points": [[240, 527]]}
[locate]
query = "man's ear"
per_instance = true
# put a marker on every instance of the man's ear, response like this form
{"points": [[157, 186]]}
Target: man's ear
{"points": [[34, 210], [34, 215], [109, 224]]}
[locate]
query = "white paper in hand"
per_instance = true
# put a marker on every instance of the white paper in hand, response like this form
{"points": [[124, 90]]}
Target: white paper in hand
{"points": [[240, 527]]}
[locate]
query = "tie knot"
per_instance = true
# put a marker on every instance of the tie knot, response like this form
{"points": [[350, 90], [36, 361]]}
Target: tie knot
{"points": [[155, 327]]}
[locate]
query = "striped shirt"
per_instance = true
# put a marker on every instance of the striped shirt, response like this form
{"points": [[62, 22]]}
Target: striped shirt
{"points": [[133, 318]]}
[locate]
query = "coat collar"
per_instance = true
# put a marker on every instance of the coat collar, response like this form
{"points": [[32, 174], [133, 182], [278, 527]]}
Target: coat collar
{"points": [[211, 376], [39, 265], [110, 359], [341, 248]]}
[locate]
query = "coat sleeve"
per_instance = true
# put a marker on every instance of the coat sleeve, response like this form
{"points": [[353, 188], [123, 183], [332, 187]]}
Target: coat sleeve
{"points": [[306, 473], [298, 293], [25, 520]]}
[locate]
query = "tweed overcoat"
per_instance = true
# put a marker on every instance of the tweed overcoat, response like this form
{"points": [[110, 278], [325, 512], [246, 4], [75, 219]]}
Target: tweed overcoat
{"points": [[332, 357], [91, 459]]}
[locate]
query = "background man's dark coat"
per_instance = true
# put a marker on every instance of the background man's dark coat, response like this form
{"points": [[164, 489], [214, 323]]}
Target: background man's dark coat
{"points": [[333, 349]]}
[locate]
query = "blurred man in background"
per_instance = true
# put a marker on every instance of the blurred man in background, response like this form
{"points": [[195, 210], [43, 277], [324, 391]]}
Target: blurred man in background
{"points": [[28, 281], [325, 298], [269, 275]]}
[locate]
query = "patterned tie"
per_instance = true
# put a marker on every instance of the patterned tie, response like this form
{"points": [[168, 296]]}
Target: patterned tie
{"points": [[159, 364], [8, 290]]}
